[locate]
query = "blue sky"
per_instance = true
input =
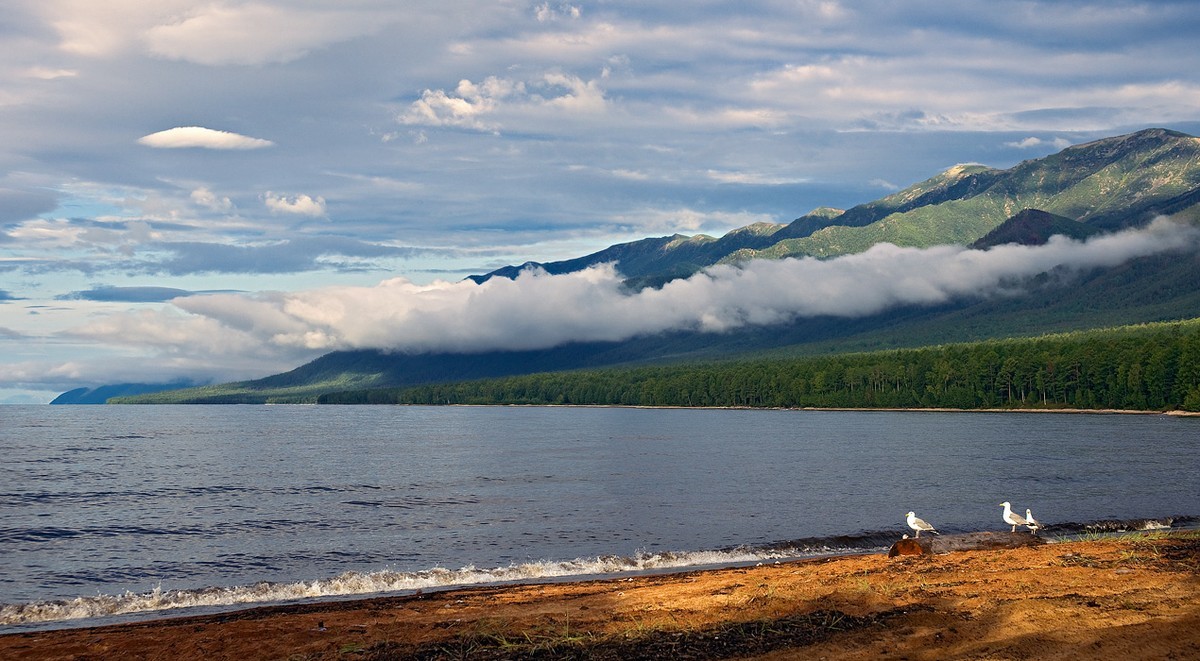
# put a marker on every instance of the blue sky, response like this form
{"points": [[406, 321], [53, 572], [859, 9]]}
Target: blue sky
{"points": [[207, 189]]}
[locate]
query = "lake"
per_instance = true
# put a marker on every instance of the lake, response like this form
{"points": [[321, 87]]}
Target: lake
{"points": [[142, 509]]}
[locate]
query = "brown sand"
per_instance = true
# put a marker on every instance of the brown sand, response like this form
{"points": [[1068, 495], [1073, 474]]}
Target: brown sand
{"points": [[1130, 598]]}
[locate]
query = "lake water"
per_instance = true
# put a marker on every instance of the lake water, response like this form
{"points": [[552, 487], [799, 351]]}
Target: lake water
{"points": [[148, 509]]}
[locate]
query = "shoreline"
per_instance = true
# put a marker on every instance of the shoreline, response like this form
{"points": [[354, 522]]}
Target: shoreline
{"points": [[1134, 597], [1069, 411], [132, 607]]}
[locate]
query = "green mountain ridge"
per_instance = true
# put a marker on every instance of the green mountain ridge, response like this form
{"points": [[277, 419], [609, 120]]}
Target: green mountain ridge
{"points": [[1107, 184], [1083, 190]]}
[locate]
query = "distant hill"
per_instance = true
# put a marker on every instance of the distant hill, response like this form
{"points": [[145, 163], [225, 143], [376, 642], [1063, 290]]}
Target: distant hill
{"points": [[1081, 191], [101, 394]]}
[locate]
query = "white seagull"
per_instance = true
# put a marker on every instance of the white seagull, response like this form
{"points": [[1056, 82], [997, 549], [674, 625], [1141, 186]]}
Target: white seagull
{"points": [[1031, 522], [919, 525], [1012, 517]]}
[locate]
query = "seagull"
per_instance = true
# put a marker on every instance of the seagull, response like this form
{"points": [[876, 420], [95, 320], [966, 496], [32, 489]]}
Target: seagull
{"points": [[1012, 517], [919, 525], [1031, 522]]}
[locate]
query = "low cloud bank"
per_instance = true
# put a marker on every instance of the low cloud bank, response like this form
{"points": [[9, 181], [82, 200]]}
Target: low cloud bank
{"points": [[538, 310]]}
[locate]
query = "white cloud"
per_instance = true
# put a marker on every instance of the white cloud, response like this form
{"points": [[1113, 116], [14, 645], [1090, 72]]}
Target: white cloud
{"points": [[169, 330], [753, 178], [465, 107], [1031, 142], [537, 310], [209, 200], [478, 106], [1025, 144], [546, 12], [577, 94], [44, 233], [301, 205], [197, 136]]}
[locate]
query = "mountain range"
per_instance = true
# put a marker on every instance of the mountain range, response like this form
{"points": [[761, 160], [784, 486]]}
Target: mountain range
{"points": [[1084, 190], [1099, 186]]}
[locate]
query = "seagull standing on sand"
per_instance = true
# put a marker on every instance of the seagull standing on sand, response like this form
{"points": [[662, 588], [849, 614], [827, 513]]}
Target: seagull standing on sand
{"points": [[919, 525], [1012, 517], [1031, 522]]}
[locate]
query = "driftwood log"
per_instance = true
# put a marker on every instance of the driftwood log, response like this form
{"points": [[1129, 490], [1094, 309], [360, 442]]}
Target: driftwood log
{"points": [[974, 541]]}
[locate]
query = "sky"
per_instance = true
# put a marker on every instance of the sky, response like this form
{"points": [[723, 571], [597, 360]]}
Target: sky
{"points": [[225, 190]]}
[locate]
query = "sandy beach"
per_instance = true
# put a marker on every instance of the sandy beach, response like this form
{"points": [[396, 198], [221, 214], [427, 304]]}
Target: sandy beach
{"points": [[1136, 597]]}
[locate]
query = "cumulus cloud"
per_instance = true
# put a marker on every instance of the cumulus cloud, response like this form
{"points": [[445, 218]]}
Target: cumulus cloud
{"points": [[198, 136], [465, 107], [537, 310], [546, 12], [574, 93], [206, 198], [475, 106], [301, 205]]}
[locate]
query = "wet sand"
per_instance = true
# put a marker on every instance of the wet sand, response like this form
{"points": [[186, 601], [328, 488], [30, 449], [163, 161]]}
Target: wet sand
{"points": [[1137, 597]]}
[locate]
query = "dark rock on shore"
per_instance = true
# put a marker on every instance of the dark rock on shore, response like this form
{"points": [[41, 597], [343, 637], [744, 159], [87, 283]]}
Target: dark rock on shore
{"points": [[974, 541]]}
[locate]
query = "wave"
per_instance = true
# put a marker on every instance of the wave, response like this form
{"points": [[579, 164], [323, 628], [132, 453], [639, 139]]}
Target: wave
{"points": [[1123, 525], [362, 583], [159, 601]]}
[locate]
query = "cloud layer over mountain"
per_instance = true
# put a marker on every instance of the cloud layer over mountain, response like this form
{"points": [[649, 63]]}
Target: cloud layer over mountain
{"points": [[537, 310]]}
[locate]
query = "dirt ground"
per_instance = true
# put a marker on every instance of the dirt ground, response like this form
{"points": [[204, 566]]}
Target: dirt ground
{"points": [[1137, 597]]}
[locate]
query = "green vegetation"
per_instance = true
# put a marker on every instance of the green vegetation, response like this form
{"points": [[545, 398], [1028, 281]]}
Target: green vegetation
{"points": [[1144, 367]]}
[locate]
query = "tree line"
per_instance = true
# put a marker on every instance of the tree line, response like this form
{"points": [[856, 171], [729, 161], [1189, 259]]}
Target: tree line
{"points": [[1144, 367]]}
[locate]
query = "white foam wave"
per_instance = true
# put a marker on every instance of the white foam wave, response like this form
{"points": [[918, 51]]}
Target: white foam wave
{"points": [[360, 583]]}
